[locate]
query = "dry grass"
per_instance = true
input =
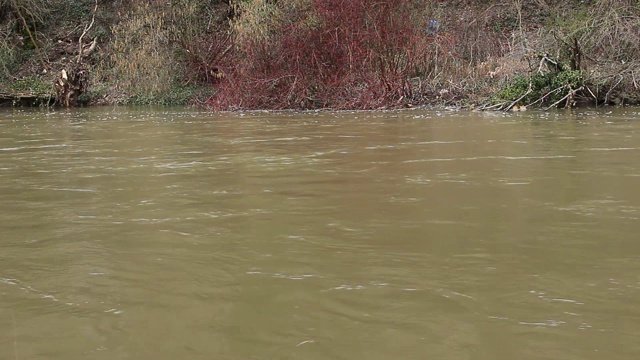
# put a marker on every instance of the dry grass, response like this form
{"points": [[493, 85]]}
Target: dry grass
{"points": [[613, 32], [141, 62], [256, 21]]}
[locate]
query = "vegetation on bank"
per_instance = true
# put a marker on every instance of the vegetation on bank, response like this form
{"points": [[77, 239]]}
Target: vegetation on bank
{"points": [[312, 54]]}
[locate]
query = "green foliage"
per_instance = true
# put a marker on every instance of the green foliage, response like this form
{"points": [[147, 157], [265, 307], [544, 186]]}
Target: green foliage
{"points": [[31, 84], [553, 86], [572, 78], [517, 88], [84, 98], [22, 18], [72, 10], [576, 22]]}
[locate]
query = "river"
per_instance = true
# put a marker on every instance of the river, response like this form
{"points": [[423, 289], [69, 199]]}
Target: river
{"points": [[173, 233]]}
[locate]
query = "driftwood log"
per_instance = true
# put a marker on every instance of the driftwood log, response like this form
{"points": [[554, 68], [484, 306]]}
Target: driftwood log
{"points": [[73, 80]]}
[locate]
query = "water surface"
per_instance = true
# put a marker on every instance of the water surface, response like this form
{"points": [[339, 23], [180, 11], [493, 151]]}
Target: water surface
{"points": [[137, 233]]}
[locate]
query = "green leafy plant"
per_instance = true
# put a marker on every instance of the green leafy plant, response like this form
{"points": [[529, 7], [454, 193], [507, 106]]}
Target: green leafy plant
{"points": [[544, 88], [31, 84]]}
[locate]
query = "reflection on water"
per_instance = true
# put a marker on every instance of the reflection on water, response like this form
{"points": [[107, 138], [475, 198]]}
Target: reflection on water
{"points": [[178, 234]]}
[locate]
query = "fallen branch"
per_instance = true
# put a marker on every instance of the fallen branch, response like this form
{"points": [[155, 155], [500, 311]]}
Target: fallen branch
{"points": [[529, 90], [570, 94], [606, 97], [496, 107], [594, 96], [541, 99]]}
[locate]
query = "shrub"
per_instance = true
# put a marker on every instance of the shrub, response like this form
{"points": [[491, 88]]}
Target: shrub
{"points": [[9, 57], [605, 37], [546, 88], [160, 52], [325, 53], [32, 84]]}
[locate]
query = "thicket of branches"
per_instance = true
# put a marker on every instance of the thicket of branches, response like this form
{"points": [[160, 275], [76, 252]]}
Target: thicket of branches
{"points": [[325, 53], [18, 22], [589, 54]]}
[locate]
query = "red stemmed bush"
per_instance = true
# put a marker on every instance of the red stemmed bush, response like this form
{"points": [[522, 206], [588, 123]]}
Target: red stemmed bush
{"points": [[339, 54]]}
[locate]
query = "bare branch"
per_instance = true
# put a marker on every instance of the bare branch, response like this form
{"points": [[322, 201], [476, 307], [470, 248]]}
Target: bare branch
{"points": [[84, 32], [570, 94], [529, 90], [86, 52], [606, 97]]}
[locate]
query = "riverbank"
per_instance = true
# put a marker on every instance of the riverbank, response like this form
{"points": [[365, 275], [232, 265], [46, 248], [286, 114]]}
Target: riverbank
{"points": [[316, 54]]}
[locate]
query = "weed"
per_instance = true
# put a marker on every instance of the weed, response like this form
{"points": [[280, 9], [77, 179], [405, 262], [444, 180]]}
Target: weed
{"points": [[551, 87], [31, 84]]}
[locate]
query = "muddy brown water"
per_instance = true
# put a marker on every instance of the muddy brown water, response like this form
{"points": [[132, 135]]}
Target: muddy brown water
{"points": [[142, 233]]}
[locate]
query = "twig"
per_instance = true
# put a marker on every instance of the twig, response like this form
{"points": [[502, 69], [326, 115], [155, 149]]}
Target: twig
{"points": [[569, 94], [592, 94], [571, 100], [547, 94], [546, 59], [606, 97], [542, 62], [26, 27], [33, 40], [535, 102], [523, 37], [557, 102], [491, 107]]}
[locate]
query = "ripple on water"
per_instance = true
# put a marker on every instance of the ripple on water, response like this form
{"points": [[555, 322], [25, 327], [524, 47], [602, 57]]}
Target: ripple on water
{"points": [[40, 302], [349, 235]]}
